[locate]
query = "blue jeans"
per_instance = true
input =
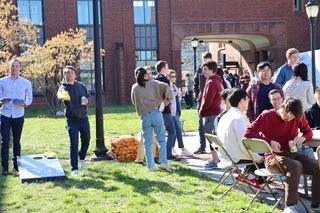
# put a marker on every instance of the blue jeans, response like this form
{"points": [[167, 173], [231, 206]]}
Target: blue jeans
{"points": [[169, 124], [154, 121], [177, 125], [16, 124], [201, 130], [75, 126]]}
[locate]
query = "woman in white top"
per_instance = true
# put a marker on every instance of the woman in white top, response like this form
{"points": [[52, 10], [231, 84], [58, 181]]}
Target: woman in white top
{"points": [[300, 87]]}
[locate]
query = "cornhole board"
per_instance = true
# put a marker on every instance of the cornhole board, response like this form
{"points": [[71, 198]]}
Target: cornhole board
{"points": [[32, 169]]}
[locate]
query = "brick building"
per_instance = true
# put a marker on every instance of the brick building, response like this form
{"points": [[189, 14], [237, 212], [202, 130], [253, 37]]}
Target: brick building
{"points": [[140, 32]]}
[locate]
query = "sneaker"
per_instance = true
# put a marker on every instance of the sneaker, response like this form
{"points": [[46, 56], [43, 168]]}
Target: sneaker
{"points": [[200, 151], [251, 181], [290, 209], [5, 171], [174, 152], [140, 164], [165, 167], [153, 169], [156, 161], [186, 153], [314, 210], [75, 173], [210, 165], [173, 158], [82, 164]]}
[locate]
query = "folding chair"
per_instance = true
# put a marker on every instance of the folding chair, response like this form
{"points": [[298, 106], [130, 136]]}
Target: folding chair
{"points": [[318, 155], [230, 168], [261, 147]]}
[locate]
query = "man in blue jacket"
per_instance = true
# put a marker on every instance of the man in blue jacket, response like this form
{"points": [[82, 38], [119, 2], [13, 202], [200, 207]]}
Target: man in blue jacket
{"points": [[284, 73]]}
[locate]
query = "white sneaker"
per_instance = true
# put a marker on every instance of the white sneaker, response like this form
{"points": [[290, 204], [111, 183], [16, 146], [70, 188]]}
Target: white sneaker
{"points": [[165, 167], [153, 169], [186, 153], [82, 164], [290, 209], [75, 173], [174, 152]]}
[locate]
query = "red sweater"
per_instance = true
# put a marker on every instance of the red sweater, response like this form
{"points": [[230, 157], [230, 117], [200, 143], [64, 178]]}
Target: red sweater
{"points": [[272, 127], [211, 99]]}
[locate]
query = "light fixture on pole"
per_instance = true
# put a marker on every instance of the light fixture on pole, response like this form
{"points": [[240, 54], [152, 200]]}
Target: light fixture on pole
{"points": [[312, 8], [194, 44]]}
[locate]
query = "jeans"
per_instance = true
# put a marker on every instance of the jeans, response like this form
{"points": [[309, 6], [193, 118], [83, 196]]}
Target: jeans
{"points": [[208, 124], [201, 130], [169, 124], [294, 165], [16, 124], [75, 126], [154, 121], [188, 98], [177, 125]]}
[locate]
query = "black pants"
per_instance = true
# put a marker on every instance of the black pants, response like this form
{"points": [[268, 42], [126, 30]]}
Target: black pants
{"points": [[188, 98]]}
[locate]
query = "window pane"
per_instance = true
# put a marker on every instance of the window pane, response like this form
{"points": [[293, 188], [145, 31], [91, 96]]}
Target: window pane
{"points": [[138, 11], [83, 12], [150, 13], [36, 11]]}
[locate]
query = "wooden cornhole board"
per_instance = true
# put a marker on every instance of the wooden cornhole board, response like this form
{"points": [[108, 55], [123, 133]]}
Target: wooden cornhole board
{"points": [[32, 169]]}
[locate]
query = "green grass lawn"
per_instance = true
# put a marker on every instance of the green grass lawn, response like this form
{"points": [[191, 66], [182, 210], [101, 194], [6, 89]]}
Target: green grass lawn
{"points": [[112, 186]]}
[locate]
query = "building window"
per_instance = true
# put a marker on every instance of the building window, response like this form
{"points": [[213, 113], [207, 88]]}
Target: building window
{"points": [[146, 32], [85, 21], [297, 5], [32, 10]]}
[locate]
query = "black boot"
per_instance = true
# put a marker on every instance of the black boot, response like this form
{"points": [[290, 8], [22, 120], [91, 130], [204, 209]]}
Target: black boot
{"points": [[5, 171]]}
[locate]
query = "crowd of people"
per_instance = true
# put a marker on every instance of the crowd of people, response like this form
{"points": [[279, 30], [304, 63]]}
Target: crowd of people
{"points": [[279, 109]]}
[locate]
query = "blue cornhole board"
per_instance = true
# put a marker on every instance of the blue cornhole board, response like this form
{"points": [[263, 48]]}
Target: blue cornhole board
{"points": [[43, 169]]}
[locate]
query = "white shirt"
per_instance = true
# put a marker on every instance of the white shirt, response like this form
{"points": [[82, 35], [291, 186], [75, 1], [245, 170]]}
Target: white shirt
{"points": [[231, 129], [21, 89], [300, 89]]}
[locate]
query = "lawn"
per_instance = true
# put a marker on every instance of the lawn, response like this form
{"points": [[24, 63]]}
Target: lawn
{"points": [[112, 186]]}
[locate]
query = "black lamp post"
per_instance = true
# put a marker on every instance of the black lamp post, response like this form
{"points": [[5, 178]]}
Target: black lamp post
{"points": [[312, 8], [194, 44], [100, 151]]}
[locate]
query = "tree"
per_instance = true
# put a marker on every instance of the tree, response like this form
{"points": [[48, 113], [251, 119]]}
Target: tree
{"points": [[43, 65], [13, 33]]}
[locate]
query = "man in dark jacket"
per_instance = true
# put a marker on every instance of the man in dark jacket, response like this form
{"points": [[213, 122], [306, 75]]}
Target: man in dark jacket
{"points": [[76, 113]]}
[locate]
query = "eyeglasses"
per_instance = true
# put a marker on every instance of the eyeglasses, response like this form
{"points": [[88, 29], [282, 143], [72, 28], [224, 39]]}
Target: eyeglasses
{"points": [[173, 76], [149, 74], [276, 99]]}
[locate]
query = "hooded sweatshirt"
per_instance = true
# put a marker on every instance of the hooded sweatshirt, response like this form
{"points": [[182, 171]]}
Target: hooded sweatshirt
{"points": [[211, 99]]}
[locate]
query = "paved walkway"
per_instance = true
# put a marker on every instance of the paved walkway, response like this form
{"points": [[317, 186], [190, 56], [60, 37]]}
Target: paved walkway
{"points": [[191, 142]]}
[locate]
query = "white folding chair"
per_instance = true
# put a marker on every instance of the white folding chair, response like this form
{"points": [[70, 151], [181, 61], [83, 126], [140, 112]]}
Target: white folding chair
{"points": [[230, 168], [260, 146]]}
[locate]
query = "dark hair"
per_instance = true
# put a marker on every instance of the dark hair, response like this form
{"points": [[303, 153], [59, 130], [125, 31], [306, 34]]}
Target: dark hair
{"points": [[274, 91], [160, 64], [236, 75], [230, 75], [225, 93], [220, 73], [262, 65], [236, 95], [226, 71], [293, 105], [207, 55], [212, 65], [300, 70], [188, 75], [140, 72]]}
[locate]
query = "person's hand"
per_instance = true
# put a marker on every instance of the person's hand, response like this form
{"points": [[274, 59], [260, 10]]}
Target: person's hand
{"points": [[299, 140], [275, 146], [179, 92], [261, 160], [86, 101], [20, 104], [5, 102]]}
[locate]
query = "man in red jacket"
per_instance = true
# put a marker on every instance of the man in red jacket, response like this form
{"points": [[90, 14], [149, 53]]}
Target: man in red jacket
{"points": [[278, 127], [211, 99]]}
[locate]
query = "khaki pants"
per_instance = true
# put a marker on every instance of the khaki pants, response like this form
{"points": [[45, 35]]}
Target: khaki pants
{"points": [[140, 152]]}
